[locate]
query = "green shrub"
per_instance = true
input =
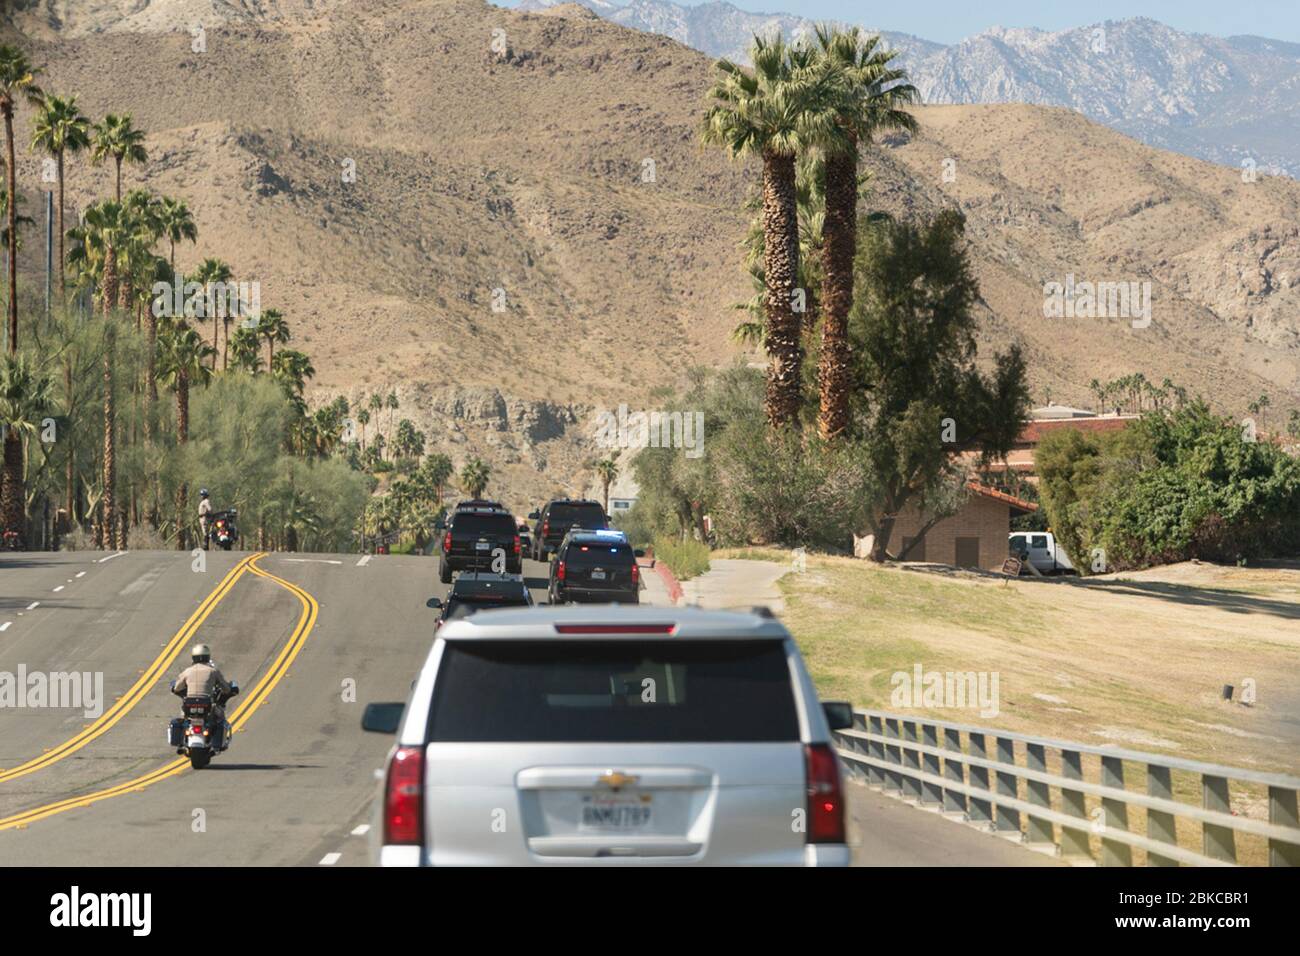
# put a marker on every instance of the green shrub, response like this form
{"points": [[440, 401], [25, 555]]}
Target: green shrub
{"points": [[685, 559]]}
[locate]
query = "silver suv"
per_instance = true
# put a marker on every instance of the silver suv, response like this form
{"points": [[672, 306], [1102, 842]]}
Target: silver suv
{"points": [[611, 735]]}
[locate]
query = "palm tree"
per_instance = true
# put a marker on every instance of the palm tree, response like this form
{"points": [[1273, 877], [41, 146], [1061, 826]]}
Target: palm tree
{"points": [[210, 273], [4, 219], [392, 404], [607, 471], [292, 369], [376, 404], [60, 129], [271, 325], [774, 112], [868, 97], [109, 222], [24, 400], [177, 223], [474, 477], [182, 358], [363, 419], [118, 138], [247, 350], [17, 81]]}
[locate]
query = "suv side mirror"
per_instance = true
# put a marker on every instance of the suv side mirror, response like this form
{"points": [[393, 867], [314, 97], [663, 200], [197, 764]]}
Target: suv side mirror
{"points": [[435, 603], [382, 718], [839, 714], [639, 552], [534, 515]]}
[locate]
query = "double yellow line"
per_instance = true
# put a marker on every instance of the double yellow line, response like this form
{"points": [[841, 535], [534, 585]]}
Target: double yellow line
{"points": [[124, 704], [240, 716]]}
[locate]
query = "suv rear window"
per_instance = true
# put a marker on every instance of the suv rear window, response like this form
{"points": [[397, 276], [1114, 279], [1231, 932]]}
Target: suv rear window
{"points": [[582, 516], [463, 605], [581, 554], [613, 691], [468, 522]]}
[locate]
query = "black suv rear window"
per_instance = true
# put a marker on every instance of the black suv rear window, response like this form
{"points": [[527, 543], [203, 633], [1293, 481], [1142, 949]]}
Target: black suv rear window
{"points": [[583, 516], [467, 522], [625, 691], [581, 554]]}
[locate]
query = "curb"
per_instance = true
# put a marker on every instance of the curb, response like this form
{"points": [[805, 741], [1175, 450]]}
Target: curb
{"points": [[674, 586]]}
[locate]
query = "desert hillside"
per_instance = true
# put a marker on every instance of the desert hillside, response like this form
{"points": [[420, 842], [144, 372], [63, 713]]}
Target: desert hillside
{"points": [[505, 261]]}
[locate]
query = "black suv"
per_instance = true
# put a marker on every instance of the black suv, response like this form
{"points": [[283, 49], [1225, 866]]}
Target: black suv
{"points": [[595, 566], [555, 520], [477, 591], [474, 537]]}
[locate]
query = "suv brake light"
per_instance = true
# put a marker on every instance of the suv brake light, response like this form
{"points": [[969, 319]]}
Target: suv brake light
{"points": [[559, 571], [446, 542], [825, 796], [517, 544], [404, 798], [636, 574], [546, 527]]}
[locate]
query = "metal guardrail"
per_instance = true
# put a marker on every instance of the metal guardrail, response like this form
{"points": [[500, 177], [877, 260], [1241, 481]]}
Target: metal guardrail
{"points": [[903, 756]]}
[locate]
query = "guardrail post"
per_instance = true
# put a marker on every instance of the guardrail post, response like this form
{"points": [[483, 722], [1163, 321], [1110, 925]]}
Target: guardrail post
{"points": [[911, 762], [876, 775], [931, 793], [1115, 814], [981, 811], [893, 776], [1040, 831], [851, 744], [1217, 842], [1160, 825], [1282, 813], [953, 771], [1075, 844], [1007, 819]]}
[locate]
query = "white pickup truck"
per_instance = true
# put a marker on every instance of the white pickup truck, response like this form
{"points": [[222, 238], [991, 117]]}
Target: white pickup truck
{"points": [[1040, 549]]}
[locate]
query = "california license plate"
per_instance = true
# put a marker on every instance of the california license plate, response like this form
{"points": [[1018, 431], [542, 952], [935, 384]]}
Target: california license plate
{"points": [[620, 814], [598, 575], [482, 545]]}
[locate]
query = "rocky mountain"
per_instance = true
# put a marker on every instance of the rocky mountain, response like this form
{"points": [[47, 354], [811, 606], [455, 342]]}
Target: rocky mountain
{"points": [[508, 218], [1233, 100]]}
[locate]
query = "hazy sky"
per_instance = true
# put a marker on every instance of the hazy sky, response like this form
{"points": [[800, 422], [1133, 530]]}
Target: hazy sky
{"points": [[947, 21]]}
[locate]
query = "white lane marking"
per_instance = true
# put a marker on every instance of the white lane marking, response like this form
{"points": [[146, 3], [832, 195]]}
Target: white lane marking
{"points": [[58, 589], [361, 830], [364, 561], [81, 574], [329, 859], [34, 605], [5, 625], [312, 561], [110, 557]]}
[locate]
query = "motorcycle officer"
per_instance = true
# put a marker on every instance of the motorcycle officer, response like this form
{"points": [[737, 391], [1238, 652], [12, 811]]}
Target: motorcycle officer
{"points": [[204, 679], [205, 509]]}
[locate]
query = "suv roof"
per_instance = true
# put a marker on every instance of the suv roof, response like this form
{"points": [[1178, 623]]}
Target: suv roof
{"points": [[573, 501], [597, 536], [479, 503], [602, 622], [480, 582]]}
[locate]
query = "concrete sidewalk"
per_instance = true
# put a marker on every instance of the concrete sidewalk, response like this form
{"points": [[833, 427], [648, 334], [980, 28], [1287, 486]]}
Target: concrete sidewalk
{"points": [[735, 582]]}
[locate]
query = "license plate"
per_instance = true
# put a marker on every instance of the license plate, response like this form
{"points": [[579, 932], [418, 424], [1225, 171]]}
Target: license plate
{"points": [[615, 815], [482, 545], [598, 575]]}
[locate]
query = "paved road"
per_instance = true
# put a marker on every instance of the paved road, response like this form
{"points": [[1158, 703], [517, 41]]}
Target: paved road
{"points": [[311, 639]]}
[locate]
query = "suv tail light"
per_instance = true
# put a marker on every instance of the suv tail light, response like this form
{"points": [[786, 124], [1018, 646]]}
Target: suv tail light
{"points": [[516, 544], [404, 798], [446, 542], [636, 574], [825, 796], [559, 571], [546, 528]]}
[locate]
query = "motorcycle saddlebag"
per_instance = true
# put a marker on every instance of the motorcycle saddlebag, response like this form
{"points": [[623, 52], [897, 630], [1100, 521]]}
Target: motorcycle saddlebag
{"points": [[176, 731]]}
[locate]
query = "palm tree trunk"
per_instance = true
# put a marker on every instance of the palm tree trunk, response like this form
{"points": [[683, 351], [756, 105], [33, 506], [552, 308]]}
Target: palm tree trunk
{"points": [[781, 271], [11, 498], [182, 436], [13, 232], [118, 160], [110, 410], [58, 217], [839, 246]]}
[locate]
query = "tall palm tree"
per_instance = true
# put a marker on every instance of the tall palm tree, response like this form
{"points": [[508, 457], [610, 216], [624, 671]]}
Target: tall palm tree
{"points": [[117, 137], [868, 96], [774, 112], [474, 477], [607, 471], [182, 362], [292, 369], [59, 129], [109, 222], [17, 82], [273, 327], [247, 350], [177, 224], [392, 405], [24, 399], [363, 419], [210, 273], [4, 219]]}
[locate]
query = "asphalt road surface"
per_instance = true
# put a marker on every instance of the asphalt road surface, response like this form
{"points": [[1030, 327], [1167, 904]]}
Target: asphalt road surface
{"points": [[311, 639]]}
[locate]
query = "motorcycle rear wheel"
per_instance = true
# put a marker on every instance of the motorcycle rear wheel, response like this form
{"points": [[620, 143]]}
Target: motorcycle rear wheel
{"points": [[199, 759]]}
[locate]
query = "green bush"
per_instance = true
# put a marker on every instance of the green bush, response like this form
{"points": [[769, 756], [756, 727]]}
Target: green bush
{"points": [[685, 559]]}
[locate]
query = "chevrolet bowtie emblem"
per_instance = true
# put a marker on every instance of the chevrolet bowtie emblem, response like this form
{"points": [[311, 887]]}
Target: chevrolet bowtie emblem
{"points": [[617, 779]]}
